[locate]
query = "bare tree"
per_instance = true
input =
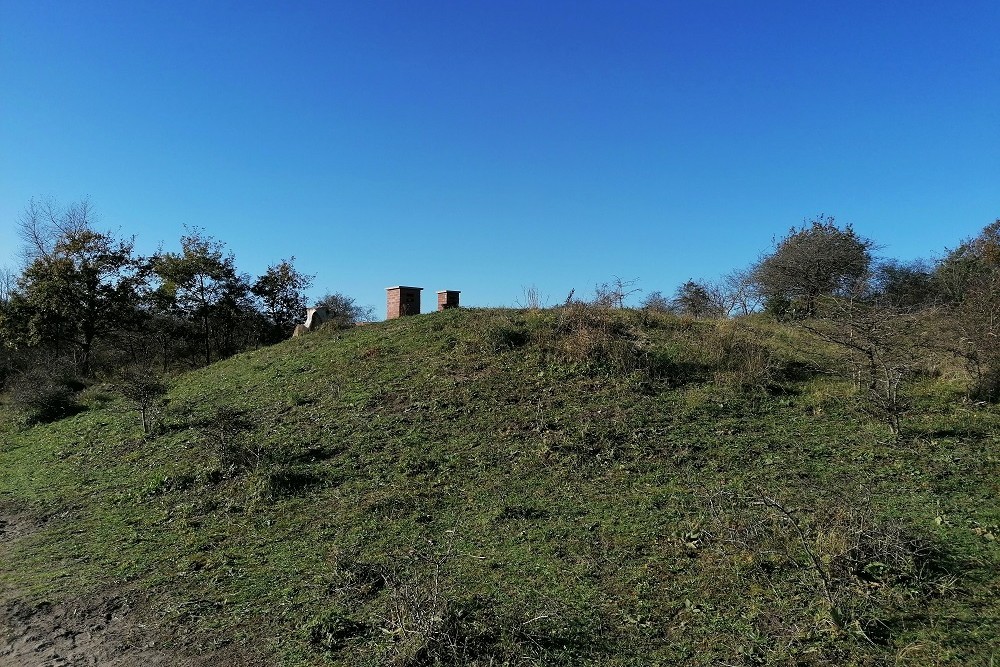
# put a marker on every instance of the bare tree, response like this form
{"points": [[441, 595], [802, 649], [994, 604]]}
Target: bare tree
{"points": [[739, 292], [44, 222], [8, 283], [884, 344], [613, 294]]}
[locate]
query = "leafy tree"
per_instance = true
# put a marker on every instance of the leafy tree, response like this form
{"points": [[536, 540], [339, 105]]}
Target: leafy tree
{"points": [[144, 390], [905, 286], [815, 260], [281, 291], [201, 285], [344, 312], [79, 286]]}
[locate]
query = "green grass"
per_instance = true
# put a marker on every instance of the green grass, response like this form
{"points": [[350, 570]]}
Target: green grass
{"points": [[568, 486]]}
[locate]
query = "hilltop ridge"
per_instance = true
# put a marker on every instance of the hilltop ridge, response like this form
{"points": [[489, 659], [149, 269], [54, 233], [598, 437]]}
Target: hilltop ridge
{"points": [[577, 485]]}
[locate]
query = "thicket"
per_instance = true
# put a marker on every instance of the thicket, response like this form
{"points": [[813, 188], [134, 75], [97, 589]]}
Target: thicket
{"points": [[892, 321], [86, 306]]}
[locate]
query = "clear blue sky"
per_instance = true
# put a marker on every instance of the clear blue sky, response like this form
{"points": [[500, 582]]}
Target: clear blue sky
{"points": [[490, 145]]}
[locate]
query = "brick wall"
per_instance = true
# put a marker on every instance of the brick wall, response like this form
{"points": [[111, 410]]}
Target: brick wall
{"points": [[448, 299], [401, 300]]}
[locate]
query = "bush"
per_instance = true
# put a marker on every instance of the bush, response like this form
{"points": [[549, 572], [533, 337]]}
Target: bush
{"points": [[864, 573], [501, 332], [282, 481], [742, 362], [237, 454], [600, 338], [46, 393], [330, 630], [144, 388]]}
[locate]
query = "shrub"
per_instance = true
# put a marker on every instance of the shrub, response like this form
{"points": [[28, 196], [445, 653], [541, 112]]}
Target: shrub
{"points": [[227, 428], [46, 393], [330, 630], [741, 361], [282, 481], [500, 333], [143, 388], [866, 573], [600, 338]]}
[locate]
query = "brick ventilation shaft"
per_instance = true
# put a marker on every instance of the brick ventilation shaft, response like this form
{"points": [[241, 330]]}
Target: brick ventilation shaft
{"points": [[448, 299], [402, 300]]}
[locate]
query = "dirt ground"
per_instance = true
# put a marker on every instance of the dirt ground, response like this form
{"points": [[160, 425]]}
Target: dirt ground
{"points": [[75, 634], [105, 630]]}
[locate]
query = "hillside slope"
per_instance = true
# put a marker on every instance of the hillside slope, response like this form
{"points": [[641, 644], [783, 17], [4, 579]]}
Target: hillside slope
{"points": [[486, 487]]}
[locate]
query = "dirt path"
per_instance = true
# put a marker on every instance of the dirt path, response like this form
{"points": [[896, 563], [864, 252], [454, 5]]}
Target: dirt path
{"points": [[74, 634], [104, 630], [81, 633]]}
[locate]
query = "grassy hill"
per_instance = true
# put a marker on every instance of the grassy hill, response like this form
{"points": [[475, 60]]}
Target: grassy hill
{"points": [[487, 487]]}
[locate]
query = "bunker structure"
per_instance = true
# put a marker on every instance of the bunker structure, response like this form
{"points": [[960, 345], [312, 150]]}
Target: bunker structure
{"points": [[402, 300]]}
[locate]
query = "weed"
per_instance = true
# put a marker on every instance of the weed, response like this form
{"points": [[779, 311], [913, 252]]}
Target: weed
{"points": [[598, 339], [300, 498], [330, 630], [500, 332], [281, 481]]}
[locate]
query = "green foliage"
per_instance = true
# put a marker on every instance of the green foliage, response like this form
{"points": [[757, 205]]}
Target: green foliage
{"points": [[330, 630], [85, 295], [79, 287], [344, 312], [280, 290], [815, 260], [46, 393], [201, 284], [907, 286], [501, 331], [697, 300], [860, 570], [968, 279], [600, 339], [656, 302], [144, 388]]}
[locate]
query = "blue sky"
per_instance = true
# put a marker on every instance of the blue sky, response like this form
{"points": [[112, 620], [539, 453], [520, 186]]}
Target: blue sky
{"points": [[489, 146]]}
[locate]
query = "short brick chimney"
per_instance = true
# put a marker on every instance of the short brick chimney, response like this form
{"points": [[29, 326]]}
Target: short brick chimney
{"points": [[401, 300], [448, 299]]}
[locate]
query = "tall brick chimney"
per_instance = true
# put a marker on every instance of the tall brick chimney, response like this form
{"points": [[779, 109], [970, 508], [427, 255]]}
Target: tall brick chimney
{"points": [[401, 300], [448, 299]]}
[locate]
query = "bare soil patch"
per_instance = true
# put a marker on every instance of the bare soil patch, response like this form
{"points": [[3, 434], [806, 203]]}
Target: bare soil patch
{"points": [[105, 630]]}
